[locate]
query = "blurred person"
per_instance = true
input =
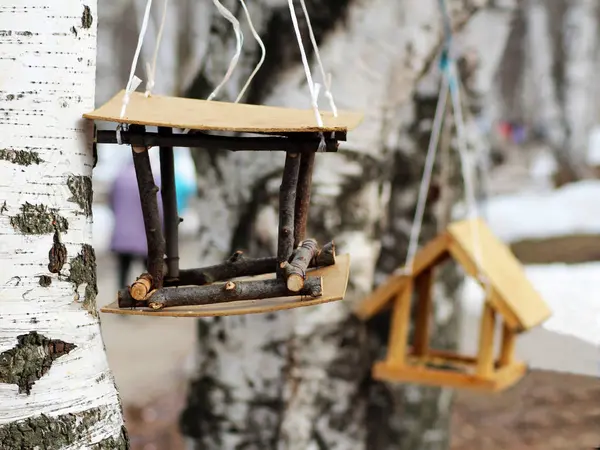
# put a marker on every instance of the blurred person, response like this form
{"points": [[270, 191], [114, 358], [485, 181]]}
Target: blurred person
{"points": [[128, 240], [185, 179]]}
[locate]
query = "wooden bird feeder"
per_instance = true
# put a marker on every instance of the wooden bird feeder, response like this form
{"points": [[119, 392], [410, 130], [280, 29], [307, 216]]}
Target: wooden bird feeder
{"points": [[510, 297], [301, 274]]}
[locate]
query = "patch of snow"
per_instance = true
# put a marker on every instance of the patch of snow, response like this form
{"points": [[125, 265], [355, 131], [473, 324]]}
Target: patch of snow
{"points": [[543, 167], [571, 291], [593, 155], [571, 209]]}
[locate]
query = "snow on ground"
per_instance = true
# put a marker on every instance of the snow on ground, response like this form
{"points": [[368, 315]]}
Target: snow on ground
{"points": [[593, 155], [571, 291], [571, 209]]}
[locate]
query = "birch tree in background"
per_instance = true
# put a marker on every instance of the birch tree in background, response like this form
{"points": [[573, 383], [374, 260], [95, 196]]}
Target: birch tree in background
{"points": [[56, 391], [548, 76], [301, 379]]}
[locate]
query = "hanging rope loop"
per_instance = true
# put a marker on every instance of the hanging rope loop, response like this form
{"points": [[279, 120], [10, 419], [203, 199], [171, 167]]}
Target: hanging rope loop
{"points": [[450, 84], [151, 68], [239, 41]]}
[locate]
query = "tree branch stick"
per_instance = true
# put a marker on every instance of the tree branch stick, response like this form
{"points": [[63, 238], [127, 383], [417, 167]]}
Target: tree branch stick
{"points": [[169, 200], [325, 256], [287, 202], [230, 292], [295, 270], [298, 142], [307, 163], [152, 225], [141, 286], [238, 266]]}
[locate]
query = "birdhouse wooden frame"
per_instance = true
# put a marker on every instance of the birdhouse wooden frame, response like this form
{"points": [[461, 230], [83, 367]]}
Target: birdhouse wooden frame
{"points": [[301, 274], [509, 297]]}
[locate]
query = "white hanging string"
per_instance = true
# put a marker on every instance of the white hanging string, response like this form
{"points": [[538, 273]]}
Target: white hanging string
{"points": [[426, 178], [309, 80], [467, 169], [239, 38], [239, 41], [134, 82], [326, 78], [262, 48], [151, 69]]}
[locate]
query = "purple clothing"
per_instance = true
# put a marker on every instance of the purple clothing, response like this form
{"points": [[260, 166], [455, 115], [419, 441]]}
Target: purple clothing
{"points": [[129, 234]]}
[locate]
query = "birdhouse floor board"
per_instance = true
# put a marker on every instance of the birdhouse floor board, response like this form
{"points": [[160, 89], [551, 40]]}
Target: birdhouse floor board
{"points": [[420, 374], [175, 112], [335, 281]]}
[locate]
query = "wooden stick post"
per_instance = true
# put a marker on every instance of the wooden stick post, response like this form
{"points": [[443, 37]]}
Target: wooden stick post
{"points": [[169, 200], [307, 163], [295, 270], [287, 202], [507, 349], [485, 358], [239, 266], [424, 285], [149, 203], [398, 338]]}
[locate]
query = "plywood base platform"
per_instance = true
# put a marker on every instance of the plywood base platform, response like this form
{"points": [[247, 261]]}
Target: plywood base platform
{"points": [[500, 380], [335, 282], [176, 112]]}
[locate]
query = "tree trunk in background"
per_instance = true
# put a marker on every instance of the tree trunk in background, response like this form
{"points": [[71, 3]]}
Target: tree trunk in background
{"points": [[56, 391], [559, 57], [300, 379]]}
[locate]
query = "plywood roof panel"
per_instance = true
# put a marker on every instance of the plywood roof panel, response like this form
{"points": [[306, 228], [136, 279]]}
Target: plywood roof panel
{"points": [[503, 270], [175, 112]]}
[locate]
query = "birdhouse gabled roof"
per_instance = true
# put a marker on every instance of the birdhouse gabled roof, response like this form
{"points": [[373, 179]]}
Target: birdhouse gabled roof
{"points": [[511, 294], [195, 114]]}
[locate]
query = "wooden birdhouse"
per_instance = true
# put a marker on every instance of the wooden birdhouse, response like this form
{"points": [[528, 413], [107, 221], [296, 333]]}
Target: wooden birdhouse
{"points": [[510, 299], [302, 273]]}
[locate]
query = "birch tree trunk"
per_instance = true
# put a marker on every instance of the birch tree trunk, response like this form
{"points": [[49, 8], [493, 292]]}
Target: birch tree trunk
{"points": [[56, 391], [301, 379]]}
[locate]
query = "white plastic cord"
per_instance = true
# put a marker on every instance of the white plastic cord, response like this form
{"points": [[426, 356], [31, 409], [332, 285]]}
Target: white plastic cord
{"points": [[434, 138], [311, 86], [151, 69], [133, 81], [262, 48], [239, 37], [467, 172], [326, 78]]}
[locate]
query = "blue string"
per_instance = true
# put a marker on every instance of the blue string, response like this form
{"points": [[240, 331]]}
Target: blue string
{"points": [[446, 58]]}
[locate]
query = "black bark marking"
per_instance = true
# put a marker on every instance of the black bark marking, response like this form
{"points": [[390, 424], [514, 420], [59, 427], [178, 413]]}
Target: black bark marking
{"points": [[83, 271], [120, 443], [280, 40], [199, 418], [3, 208], [83, 194], [45, 281], [54, 433], [38, 219], [86, 17], [57, 255], [20, 157], [29, 361]]}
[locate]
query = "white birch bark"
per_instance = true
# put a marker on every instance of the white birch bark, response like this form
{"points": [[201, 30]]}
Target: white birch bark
{"points": [[54, 376]]}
